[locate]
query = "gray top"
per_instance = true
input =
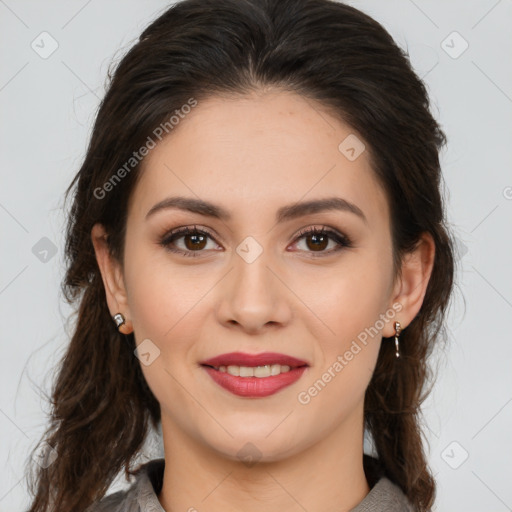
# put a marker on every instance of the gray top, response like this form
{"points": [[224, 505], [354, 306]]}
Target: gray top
{"points": [[142, 496]]}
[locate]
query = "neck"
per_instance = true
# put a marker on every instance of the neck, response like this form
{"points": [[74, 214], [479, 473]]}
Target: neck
{"points": [[327, 476]]}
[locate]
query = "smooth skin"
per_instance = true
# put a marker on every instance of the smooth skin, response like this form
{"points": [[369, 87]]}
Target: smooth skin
{"points": [[252, 155]]}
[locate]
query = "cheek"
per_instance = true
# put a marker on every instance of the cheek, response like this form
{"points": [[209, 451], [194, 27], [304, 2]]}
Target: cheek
{"points": [[164, 304], [161, 295], [347, 298], [351, 305], [349, 301]]}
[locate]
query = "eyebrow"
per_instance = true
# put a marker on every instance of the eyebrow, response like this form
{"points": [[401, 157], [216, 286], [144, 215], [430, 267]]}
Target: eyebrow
{"points": [[284, 213]]}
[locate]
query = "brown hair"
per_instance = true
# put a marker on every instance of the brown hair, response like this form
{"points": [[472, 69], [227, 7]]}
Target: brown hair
{"points": [[330, 52]]}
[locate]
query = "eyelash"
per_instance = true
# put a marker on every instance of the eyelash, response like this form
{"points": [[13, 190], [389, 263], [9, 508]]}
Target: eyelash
{"points": [[342, 240]]}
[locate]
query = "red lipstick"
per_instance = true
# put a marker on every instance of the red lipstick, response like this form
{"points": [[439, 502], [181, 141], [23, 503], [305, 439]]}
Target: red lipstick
{"points": [[254, 387]]}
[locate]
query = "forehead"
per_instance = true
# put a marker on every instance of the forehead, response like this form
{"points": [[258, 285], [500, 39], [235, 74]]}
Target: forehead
{"points": [[259, 150]]}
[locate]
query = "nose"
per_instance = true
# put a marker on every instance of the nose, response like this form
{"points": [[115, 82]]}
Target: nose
{"points": [[254, 295]]}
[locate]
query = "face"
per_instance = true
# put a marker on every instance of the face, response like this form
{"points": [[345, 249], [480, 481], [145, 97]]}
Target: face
{"points": [[255, 282]]}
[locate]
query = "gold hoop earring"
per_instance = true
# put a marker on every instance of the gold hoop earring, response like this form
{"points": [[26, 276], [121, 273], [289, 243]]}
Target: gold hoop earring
{"points": [[398, 329]]}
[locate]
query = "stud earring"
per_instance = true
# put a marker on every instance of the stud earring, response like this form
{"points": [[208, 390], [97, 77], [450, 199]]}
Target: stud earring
{"points": [[119, 320], [398, 329]]}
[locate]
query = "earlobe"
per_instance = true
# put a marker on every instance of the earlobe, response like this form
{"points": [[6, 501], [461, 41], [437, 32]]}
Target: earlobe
{"points": [[112, 276], [410, 291]]}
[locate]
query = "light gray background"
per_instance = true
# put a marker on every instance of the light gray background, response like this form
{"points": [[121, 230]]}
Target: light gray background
{"points": [[47, 108]]}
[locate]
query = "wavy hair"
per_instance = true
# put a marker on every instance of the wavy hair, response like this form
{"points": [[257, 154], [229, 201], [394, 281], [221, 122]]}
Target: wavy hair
{"points": [[101, 406]]}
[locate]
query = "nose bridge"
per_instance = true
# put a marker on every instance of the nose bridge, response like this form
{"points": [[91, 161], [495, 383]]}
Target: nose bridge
{"points": [[252, 275], [254, 297]]}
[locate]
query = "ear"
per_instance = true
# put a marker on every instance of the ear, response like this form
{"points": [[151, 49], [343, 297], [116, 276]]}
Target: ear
{"points": [[112, 275], [411, 286]]}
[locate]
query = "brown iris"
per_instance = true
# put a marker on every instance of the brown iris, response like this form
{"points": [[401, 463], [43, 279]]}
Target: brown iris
{"points": [[317, 244], [195, 241]]}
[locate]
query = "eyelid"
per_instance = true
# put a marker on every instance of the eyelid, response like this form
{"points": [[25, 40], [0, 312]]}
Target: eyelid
{"points": [[183, 230]]}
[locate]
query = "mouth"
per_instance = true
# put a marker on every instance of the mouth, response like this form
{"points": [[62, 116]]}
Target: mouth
{"points": [[254, 376]]}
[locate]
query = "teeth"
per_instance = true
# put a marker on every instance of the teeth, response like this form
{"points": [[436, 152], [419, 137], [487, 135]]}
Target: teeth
{"points": [[250, 371]]}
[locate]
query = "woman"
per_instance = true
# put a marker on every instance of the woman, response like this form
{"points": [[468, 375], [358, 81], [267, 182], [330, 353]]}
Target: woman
{"points": [[258, 252]]}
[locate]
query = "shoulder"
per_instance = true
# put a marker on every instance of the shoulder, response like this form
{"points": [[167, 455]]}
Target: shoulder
{"points": [[121, 501], [142, 495], [384, 495]]}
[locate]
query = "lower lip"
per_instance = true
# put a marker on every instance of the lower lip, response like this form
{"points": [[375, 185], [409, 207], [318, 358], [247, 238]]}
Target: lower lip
{"points": [[255, 387]]}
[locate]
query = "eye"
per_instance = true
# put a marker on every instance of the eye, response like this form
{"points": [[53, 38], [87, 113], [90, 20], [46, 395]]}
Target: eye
{"points": [[194, 240], [318, 240]]}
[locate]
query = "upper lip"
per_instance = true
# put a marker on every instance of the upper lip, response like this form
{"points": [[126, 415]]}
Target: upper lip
{"points": [[265, 358]]}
